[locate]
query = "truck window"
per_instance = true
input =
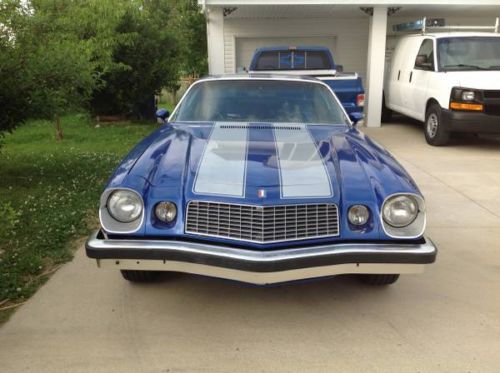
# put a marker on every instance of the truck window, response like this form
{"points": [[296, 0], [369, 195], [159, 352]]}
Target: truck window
{"points": [[293, 60], [268, 61], [425, 56], [299, 60], [317, 61]]}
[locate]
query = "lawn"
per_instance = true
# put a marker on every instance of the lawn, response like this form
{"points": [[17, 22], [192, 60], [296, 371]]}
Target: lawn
{"points": [[49, 193]]}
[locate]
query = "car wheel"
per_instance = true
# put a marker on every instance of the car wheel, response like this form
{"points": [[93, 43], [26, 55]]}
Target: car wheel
{"points": [[386, 112], [379, 279], [140, 276], [435, 133]]}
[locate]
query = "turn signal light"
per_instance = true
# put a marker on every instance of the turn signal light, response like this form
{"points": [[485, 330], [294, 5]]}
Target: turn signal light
{"points": [[464, 106]]}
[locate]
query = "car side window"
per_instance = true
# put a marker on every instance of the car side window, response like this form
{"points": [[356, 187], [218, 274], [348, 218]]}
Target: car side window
{"points": [[425, 56]]}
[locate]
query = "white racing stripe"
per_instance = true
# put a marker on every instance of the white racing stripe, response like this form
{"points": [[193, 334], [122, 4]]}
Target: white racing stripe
{"points": [[222, 168], [303, 173]]}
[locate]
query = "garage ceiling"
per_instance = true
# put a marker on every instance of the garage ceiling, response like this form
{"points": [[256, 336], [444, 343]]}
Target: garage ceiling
{"points": [[326, 11]]}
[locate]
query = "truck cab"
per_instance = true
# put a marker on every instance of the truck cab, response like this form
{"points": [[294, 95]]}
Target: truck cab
{"points": [[312, 61], [450, 81]]}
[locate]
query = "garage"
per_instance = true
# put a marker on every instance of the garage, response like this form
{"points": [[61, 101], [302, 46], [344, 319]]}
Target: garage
{"points": [[245, 47], [359, 33]]}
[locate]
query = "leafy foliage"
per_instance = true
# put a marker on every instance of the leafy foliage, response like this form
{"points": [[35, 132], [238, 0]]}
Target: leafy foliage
{"points": [[190, 26], [49, 194], [143, 62], [14, 85], [58, 56]]}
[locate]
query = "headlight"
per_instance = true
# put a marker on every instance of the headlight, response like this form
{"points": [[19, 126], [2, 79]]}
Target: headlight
{"points": [[124, 206], [400, 211], [358, 215], [468, 95], [166, 211]]}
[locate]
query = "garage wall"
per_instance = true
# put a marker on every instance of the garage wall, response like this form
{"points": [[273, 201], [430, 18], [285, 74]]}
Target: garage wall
{"points": [[349, 38], [245, 47]]}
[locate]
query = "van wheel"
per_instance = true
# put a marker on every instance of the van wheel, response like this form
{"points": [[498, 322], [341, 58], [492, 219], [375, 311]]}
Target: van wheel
{"points": [[140, 276], [386, 112], [435, 133], [379, 280]]}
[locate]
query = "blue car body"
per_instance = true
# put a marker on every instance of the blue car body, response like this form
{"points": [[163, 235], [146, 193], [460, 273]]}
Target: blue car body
{"points": [[164, 166], [168, 165], [347, 86]]}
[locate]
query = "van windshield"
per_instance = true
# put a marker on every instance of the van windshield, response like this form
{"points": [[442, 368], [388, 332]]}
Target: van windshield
{"points": [[246, 100], [469, 53]]}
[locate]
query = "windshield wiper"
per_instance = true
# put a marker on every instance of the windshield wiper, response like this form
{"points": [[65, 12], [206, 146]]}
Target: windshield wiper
{"points": [[466, 66]]}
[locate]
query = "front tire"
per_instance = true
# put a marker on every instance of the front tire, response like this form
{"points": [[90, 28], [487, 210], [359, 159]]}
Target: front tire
{"points": [[140, 276], [379, 280], [435, 133]]}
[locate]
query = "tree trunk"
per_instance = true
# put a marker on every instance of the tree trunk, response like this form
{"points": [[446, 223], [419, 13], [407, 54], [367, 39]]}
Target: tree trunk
{"points": [[59, 133]]}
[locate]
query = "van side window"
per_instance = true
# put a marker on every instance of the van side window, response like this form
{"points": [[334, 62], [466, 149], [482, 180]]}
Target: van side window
{"points": [[425, 56]]}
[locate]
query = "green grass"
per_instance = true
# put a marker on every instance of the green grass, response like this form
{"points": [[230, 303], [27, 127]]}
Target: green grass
{"points": [[49, 193]]}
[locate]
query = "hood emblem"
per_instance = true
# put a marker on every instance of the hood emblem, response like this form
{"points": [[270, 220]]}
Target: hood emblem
{"points": [[261, 193]]}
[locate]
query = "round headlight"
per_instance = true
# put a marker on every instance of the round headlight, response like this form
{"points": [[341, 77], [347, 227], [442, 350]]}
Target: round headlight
{"points": [[358, 215], [166, 211], [400, 211], [124, 206]]}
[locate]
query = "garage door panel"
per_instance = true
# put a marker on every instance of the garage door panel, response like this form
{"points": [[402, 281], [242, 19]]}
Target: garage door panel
{"points": [[245, 47]]}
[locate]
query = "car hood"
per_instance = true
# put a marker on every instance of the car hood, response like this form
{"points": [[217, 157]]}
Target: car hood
{"points": [[269, 163], [475, 79]]}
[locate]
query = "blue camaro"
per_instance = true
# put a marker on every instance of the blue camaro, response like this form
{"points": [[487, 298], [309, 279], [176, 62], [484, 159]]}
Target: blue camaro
{"points": [[261, 179]]}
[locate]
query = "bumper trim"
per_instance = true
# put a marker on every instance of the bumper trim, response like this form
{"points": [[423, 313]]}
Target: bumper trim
{"points": [[164, 252], [472, 122], [260, 278]]}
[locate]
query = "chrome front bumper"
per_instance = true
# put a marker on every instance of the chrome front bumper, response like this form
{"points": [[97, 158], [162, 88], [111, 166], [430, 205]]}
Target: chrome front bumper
{"points": [[260, 267]]}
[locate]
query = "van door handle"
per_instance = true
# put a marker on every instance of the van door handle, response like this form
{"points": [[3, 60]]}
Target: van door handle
{"points": [[411, 76], [399, 74]]}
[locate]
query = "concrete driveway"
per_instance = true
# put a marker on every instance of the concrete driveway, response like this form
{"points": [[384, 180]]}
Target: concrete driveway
{"points": [[446, 320]]}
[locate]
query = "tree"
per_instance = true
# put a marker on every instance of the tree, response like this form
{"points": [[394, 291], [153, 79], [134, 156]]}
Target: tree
{"points": [[14, 99], [144, 62], [190, 26], [112, 56], [70, 44]]}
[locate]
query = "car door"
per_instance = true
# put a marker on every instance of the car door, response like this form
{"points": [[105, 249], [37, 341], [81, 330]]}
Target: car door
{"points": [[424, 65]]}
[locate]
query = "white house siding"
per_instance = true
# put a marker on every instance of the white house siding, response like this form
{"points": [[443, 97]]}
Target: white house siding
{"points": [[349, 35]]}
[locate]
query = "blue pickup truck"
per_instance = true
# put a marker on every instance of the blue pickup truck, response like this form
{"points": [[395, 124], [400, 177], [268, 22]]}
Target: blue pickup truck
{"points": [[312, 61]]}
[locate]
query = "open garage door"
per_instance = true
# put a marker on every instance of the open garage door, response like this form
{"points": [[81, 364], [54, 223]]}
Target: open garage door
{"points": [[245, 47]]}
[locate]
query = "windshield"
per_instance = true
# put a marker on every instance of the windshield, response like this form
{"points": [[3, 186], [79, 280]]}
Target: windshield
{"points": [[276, 101], [469, 53]]}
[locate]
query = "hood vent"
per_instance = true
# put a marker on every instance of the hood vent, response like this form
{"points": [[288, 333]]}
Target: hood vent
{"points": [[261, 127]]}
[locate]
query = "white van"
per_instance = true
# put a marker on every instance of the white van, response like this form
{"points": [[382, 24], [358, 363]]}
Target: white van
{"points": [[448, 80]]}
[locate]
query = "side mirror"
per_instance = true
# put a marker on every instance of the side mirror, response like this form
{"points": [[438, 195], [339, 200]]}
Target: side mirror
{"points": [[422, 62], [355, 117], [339, 68], [162, 115]]}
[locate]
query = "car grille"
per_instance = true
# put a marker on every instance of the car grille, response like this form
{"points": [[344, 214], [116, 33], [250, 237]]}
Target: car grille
{"points": [[492, 109], [492, 102], [262, 224], [491, 94]]}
